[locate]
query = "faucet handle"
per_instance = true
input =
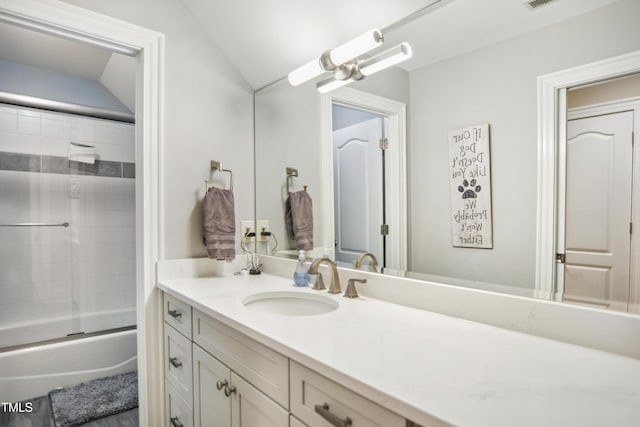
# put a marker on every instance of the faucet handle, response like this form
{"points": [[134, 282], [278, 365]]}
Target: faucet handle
{"points": [[316, 281], [351, 291]]}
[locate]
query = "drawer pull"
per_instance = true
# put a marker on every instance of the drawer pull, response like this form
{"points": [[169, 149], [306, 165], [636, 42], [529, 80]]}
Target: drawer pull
{"points": [[222, 384], [175, 422], [333, 419], [228, 391], [174, 361], [175, 313]]}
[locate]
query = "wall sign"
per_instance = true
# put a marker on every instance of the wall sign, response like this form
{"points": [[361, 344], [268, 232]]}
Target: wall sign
{"points": [[470, 187]]}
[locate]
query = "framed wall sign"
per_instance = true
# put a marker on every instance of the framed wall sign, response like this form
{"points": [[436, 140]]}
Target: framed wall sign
{"points": [[470, 187]]}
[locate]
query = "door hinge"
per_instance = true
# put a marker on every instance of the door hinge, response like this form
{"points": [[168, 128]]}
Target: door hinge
{"points": [[630, 228], [384, 143], [561, 258], [384, 229]]}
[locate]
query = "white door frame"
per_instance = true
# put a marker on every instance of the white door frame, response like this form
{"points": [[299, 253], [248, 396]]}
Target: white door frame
{"points": [[395, 158], [71, 22], [552, 136]]}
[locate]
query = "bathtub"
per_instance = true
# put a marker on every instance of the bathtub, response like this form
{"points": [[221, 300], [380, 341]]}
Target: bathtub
{"points": [[52, 327], [34, 371]]}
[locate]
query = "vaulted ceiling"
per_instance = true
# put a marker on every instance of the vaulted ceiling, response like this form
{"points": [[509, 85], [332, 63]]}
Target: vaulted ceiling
{"points": [[266, 39]]}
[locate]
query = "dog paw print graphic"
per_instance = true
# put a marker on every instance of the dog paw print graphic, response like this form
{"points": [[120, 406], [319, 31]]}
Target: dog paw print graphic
{"points": [[469, 190]]}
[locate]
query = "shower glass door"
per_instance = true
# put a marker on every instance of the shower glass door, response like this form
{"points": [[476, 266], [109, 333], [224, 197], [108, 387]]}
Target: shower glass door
{"points": [[67, 228], [35, 237]]}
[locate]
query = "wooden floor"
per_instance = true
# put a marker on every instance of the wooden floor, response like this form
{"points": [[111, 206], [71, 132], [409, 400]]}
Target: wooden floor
{"points": [[41, 416]]}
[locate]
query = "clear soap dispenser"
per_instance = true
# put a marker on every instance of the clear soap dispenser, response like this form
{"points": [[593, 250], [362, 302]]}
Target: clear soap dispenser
{"points": [[300, 275]]}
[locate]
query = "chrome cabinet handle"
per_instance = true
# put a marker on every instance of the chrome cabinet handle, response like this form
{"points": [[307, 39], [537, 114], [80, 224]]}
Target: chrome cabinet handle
{"points": [[175, 422], [174, 361], [228, 391], [174, 313], [222, 384], [333, 419]]}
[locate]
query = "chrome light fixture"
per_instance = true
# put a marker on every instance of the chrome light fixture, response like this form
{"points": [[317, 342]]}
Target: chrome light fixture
{"points": [[359, 69], [331, 59]]}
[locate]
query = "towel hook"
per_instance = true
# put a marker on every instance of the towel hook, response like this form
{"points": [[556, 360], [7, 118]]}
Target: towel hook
{"points": [[292, 172], [217, 166]]}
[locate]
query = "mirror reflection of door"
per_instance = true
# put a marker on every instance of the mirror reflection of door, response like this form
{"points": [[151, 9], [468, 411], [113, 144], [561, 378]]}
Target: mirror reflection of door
{"points": [[599, 199], [358, 183]]}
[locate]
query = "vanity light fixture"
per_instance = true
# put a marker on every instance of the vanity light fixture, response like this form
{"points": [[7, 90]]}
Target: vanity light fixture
{"points": [[332, 59], [358, 70]]}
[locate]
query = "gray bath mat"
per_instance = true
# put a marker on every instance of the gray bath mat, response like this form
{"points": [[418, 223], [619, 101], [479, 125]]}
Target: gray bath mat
{"points": [[94, 399]]}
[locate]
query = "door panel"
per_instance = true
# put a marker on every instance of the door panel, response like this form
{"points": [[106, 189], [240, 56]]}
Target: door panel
{"points": [[358, 181], [211, 407], [598, 210]]}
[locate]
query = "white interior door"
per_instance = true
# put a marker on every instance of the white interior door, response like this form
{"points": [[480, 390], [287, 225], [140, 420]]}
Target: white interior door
{"points": [[358, 184], [598, 210]]}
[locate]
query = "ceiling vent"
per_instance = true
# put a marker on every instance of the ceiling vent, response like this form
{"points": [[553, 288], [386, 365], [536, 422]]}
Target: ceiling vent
{"points": [[534, 4]]}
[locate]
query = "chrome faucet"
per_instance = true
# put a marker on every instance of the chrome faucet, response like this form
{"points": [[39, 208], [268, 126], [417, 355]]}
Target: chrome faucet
{"points": [[335, 281], [373, 264]]}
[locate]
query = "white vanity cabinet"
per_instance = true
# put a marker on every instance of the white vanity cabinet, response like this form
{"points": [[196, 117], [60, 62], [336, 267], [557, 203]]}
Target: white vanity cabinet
{"points": [[177, 363], [222, 398], [217, 376], [318, 401]]}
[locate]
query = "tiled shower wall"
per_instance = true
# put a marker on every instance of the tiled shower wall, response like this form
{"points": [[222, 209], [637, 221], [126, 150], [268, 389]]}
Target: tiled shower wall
{"points": [[63, 280]]}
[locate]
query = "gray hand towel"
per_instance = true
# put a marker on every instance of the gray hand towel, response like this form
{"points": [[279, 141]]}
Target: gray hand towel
{"points": [[219, 224], [299, 219]]}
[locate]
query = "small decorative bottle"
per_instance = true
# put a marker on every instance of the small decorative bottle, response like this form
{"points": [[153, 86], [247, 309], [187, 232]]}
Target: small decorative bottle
{"points": [[300, 275]]}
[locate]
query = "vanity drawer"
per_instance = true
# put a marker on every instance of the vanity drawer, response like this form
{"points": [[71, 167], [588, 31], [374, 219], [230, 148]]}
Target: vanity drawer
{"points": [[177, 411], [264, 368], [177, 314], [178, 362], [312, 393]]}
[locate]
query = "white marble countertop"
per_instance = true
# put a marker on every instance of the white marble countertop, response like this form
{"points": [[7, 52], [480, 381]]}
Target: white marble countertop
{"points": [[430, 367]]}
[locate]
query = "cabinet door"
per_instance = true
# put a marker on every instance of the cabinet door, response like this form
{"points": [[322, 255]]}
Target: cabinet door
{"points": [[251, 408], [177, 363], [178, 412], [211, 407], [294, 422]]}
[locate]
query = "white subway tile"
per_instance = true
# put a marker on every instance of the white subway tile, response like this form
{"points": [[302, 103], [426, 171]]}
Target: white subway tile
{"points": [[53, 127], [29, 112], [54, 146], [10, 142], [8, 123], [29, 125]]}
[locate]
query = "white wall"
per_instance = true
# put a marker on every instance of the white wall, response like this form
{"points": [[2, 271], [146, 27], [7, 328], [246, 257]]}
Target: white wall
{"points": [[119, 76], [57, 86], [208, 114], [496, 85]]}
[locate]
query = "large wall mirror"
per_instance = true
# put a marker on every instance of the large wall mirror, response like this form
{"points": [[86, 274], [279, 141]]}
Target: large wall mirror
{"points": [[472, 66]]}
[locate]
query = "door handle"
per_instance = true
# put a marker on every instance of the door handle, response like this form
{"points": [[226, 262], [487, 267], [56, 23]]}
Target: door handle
{"points": [[175, 422], [174, 361], [333, 419]]}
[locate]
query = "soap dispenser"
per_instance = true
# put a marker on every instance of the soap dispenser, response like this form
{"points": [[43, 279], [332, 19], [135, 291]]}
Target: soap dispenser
{"points": [[300, 275]]}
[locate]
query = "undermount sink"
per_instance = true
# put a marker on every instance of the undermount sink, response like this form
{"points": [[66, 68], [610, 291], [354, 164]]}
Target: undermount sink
{"points": [[290, 303]]}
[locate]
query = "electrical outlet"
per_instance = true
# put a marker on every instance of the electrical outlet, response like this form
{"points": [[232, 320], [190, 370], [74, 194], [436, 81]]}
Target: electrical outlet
{"points": [[247, 226], [263, 226]]}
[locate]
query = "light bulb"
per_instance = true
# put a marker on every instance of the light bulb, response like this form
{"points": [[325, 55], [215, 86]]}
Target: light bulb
{"points": [[331, 84], [305, 73], [386, 59], [356, 47]]}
